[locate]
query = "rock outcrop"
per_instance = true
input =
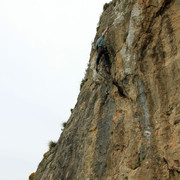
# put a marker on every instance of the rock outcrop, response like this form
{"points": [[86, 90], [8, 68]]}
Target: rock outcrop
{"points": [[126, 126]]}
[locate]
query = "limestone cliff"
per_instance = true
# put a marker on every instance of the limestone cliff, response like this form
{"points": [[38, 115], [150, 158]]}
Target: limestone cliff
{"points": [[126, 126]]}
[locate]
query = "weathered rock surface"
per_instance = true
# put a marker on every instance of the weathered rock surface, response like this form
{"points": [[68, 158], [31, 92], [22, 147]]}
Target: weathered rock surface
{"points": [[126, 126]]}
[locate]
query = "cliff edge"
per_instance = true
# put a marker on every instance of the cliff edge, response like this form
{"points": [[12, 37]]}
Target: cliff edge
{"points": [[126, 126]]}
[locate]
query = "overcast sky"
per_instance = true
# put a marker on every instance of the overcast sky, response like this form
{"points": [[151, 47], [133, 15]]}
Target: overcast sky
{"points": [[44, 52]]}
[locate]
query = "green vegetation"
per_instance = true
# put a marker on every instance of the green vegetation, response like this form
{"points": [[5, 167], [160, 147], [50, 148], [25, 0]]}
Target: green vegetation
{"points": [[106, 5], [85, 77], [64, 124], [83, 82], [52, 144]]}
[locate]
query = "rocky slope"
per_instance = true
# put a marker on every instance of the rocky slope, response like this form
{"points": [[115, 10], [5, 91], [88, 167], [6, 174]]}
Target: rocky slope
{"points": [[126, 126]]}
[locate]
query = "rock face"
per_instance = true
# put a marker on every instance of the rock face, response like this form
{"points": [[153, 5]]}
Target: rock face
{"points": [[126, 126]]}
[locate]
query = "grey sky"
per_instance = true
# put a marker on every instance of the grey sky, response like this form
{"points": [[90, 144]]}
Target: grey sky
{"points": [[44, 51]]}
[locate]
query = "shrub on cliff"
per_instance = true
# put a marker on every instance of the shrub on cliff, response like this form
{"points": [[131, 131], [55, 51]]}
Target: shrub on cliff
{"points": [[83, 82], [64, 124], [52, 144], [106, 5]]}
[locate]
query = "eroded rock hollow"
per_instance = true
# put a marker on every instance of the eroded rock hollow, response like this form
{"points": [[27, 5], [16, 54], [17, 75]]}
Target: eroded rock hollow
{"points": [[126, 126]]}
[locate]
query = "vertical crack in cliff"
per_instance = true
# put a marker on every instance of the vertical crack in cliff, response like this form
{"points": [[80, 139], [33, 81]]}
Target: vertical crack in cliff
{"points": [[163, 8], [120, 90]]}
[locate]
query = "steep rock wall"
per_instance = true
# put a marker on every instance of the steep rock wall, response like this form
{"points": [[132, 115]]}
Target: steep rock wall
{"points": [[126, 125]]}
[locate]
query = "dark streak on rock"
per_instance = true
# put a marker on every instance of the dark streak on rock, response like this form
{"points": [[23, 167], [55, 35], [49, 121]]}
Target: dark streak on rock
{"points": [[120, 89], [177, 122]]}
